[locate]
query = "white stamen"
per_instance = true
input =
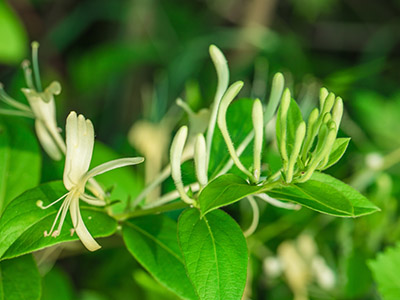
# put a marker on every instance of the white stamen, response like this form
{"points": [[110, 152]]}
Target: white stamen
{"points": [[39, 203]]}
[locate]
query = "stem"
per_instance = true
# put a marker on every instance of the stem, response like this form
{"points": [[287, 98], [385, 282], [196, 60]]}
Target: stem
{"points": [[256, 217], [171, 196], [151, 211]]}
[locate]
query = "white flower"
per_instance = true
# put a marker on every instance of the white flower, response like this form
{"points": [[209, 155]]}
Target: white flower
{"points": [[43, 107], [80, 141]]}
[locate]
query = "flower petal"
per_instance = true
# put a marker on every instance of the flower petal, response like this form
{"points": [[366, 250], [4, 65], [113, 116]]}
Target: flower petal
{"points": [[84, 235], [80, 141], [113, 164], [92, 200], [47, 141]]}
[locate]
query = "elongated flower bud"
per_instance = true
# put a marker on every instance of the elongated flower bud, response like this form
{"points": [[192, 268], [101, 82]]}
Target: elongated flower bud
{"points": [[258, 125], [200, 159], [221, 67], [278, 83], [329, 135], [327, 117], [230, 94], [311, 133], [323, 93], [328, 104], [285, 103], [298, 142], [177, 146], [337, 112]]}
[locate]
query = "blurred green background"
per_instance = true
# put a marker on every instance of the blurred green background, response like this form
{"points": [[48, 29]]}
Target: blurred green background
{"points": [[128, 60]]}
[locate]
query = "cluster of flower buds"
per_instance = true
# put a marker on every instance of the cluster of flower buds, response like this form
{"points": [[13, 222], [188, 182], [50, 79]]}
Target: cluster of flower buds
{"points": [[307, 148], [202, 145]]}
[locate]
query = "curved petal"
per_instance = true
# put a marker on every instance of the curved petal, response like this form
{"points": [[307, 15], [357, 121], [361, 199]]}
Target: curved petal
{"points": [[80, 141], [113, 164], [92, 200], [84, 235], [46, 141]]}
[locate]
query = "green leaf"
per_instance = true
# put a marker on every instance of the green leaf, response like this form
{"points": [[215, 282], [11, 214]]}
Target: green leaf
{"points": [[57, 285], [20, 160], [238, 130], [294, 118], [223, 190], [338, 149], [385, 270], [326, 194], [23, 222], [215, 254], [12, 36], [19, 279], [152, 241]]}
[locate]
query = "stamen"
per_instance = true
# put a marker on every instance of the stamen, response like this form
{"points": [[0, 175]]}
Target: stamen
{"points": [[28, 74], [64, 213], [63, 208], [35, 62], [39, 203]]}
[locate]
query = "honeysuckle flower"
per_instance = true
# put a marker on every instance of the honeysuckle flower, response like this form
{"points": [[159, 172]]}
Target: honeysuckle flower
{"points": [[41, 107], [44, 110], [79, 148]]}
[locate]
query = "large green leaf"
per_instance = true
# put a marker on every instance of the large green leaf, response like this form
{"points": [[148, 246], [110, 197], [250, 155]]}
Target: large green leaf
{"points": [[23, 222], [215, 254], [152, 241], [325, 194], [224, 190], [294, 118], [13, 37], [19, 279], [385, 269], [20, 160]]}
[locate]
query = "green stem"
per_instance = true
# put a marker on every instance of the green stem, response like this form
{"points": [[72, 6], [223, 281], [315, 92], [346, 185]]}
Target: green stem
{"points": [[151, 211]]}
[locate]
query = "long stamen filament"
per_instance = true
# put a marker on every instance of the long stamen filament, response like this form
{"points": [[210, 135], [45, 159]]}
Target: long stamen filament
{"points": [[28, 74], [35, 63], [39, 203], [63, 215], [61, 209]]}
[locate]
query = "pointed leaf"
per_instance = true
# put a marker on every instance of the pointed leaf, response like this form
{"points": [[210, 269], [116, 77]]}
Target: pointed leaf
{"points": [[223, 190], [215, 254], [326, 194], [152, 241]]}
